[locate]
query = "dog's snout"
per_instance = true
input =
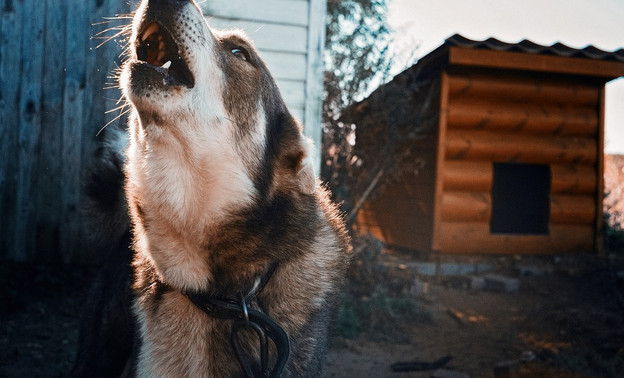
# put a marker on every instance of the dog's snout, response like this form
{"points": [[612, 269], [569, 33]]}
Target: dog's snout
{"points": [[170, 2], [166, 6]]}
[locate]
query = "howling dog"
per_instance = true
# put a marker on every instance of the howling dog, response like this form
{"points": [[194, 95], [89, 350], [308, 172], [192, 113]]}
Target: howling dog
{"points": [[236, 253]]}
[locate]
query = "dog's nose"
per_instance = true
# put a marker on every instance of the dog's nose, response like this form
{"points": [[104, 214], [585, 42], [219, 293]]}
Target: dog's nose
{"points": [[168, 3], [171, 2], [167, 6]]}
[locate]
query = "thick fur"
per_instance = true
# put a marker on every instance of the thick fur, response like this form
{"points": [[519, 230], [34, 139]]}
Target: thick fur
{"points": [[219, 189]]}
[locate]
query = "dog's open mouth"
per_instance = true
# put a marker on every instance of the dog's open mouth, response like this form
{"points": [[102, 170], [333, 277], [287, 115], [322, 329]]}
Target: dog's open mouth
{"points": [[157, 47]]}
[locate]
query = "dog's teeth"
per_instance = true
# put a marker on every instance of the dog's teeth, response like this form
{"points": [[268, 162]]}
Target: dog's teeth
{"points": [[166, 65]]}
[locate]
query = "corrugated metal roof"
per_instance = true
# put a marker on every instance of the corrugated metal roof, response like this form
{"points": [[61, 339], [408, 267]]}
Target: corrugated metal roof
{"points": [[526, 46]]}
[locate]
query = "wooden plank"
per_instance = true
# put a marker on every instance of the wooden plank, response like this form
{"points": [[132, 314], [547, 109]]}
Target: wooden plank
{"points": [[573, 179], [467, 175], [516, 88], [507, 147], [315, 77], [475, 238], [49, 159], [466, 206], [477, 176], [108, 60], [272, 11], [567, 209], [29, 129], [285, 65], [599, 221], [98, 65], [10, 41], [73, 121], [440, 161], [269, 37], [606, 70], [525, 117], [293, 92]]}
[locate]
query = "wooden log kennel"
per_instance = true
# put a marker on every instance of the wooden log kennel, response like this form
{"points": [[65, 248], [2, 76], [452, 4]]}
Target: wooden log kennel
{"points": [[517, 158]]}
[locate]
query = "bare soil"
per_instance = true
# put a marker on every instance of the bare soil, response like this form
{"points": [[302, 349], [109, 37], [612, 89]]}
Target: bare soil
{"points": [[567, 323]]}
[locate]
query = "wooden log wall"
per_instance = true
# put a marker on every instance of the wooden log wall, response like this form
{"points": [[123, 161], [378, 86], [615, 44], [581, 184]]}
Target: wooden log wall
{"points": [[52, 105], [515, 118]]}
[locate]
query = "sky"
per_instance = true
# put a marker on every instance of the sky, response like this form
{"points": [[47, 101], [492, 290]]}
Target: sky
{"points": [[419, 26]]}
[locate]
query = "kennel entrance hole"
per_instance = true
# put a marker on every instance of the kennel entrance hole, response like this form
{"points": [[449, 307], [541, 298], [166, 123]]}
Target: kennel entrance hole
{"points": [[520, 199]]}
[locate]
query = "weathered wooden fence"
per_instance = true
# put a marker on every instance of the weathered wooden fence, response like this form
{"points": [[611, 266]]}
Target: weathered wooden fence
{"points": [[53, 101]]}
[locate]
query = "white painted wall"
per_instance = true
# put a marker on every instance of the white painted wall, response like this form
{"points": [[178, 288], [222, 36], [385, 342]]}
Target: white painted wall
{"points": [[290, 35]]}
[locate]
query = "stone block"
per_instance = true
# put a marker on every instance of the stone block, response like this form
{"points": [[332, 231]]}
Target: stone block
{"points": [[501, 283]]}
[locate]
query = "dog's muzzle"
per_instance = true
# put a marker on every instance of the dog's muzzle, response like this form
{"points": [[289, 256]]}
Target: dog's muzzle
{"points": [[158, 48]]}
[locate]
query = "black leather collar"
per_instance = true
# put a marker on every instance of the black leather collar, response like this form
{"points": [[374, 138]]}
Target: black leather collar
{"points": [[246, 318]]}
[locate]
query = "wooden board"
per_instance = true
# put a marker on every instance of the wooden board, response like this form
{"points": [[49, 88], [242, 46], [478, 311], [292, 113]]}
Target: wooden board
{"points": [[475, 238], [508, 87], [48, 186], [573, 179], [567, 209], [286, 65], [469, 175], [267, 36], [440, 159], [270, 11], [466, 206], [523, 117], [315, 75], [534, 62], [10, 42], [30, 110], [520, 148], [52, 106], [293, 92]]}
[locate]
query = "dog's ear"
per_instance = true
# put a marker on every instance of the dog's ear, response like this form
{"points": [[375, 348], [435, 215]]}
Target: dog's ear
{"points": [[305, 176]]}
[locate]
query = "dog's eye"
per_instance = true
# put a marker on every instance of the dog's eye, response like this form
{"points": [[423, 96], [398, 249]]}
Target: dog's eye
{"points": [[240, 53]]}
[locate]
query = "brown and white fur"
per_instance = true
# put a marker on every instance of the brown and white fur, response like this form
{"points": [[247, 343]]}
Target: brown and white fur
{"points": [[219, 188]]}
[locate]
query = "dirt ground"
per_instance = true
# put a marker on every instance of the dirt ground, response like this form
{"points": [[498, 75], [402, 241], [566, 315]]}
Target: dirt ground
{"points": [[566, 323]]}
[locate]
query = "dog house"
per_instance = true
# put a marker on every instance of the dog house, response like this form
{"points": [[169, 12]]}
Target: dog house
{"points": [[510, 143]]}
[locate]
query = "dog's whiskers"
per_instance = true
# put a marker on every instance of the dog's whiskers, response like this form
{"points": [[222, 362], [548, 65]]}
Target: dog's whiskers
{"points": [[122, 30], [123, 110]]}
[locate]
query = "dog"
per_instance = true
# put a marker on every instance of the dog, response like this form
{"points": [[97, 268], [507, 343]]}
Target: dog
{"points": [[227, 252]]}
